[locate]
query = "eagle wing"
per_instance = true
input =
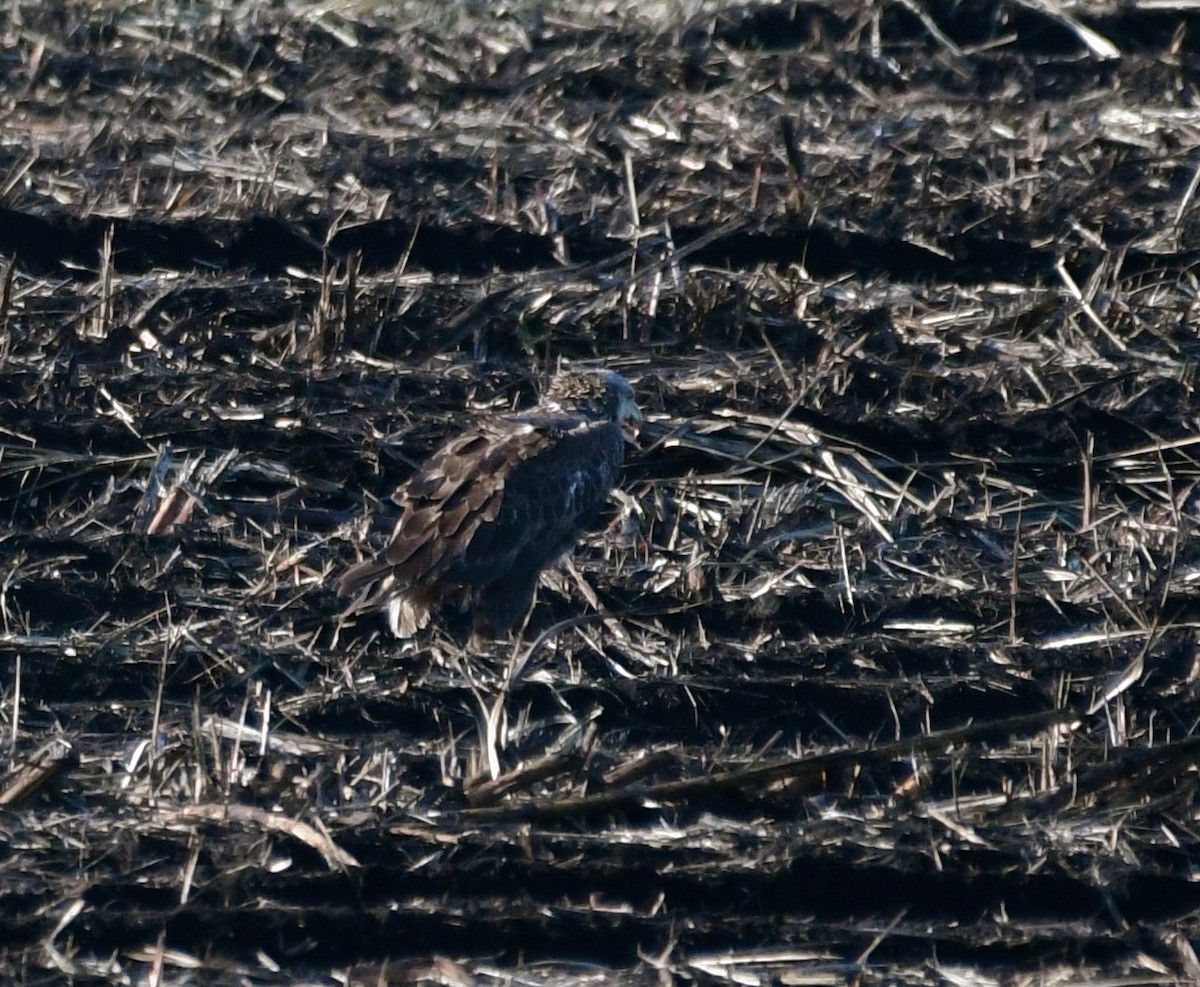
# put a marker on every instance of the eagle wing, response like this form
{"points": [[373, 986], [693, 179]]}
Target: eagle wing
{"points": [[489, 510]]}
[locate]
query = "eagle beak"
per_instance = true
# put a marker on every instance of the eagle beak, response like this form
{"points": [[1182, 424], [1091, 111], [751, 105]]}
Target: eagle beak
{"points": [[631, 423]]}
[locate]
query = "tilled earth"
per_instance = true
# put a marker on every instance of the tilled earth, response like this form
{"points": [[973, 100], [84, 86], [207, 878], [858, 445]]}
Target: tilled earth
{"points": [[881, 665]]}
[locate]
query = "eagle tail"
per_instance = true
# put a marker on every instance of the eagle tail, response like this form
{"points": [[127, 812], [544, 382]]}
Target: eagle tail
{"points": [[409, 612]]}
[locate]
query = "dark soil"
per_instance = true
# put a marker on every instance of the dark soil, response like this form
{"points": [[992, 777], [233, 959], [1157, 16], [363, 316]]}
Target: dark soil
{"points": [[894, 676]]}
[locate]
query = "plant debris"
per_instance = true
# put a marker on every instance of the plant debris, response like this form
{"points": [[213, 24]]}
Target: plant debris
{"points": [[881, 667]]}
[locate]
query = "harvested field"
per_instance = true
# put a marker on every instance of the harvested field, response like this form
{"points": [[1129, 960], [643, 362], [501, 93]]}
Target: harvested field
{"points": [[882, 666]]}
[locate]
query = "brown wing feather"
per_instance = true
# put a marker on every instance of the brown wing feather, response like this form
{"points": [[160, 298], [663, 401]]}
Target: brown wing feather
{"points": [[457, 491], [489, 510]]}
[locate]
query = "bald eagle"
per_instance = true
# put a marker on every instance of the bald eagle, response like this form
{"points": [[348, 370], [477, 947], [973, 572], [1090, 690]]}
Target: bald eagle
{"points": [[497, 504]]}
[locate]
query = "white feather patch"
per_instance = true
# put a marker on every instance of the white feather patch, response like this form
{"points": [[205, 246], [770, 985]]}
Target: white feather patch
{"points": [[404, 619]]}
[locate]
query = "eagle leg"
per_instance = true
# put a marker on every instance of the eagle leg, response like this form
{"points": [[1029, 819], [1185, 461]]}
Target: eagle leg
{"points": [[500, 606]]}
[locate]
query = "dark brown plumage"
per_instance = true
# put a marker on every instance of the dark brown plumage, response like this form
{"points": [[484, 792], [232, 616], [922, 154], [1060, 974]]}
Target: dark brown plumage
{"points": [[494, 506]]}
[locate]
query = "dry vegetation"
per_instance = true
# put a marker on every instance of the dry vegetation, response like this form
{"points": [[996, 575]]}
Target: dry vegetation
{"points": [[894, 673]]}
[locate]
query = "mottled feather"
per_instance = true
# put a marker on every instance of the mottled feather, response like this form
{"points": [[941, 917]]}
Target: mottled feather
{"points": [[490, 509]]}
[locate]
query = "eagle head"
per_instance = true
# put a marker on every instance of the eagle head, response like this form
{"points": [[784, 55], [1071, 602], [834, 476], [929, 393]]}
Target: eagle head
{"points": [[598, 394]]}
